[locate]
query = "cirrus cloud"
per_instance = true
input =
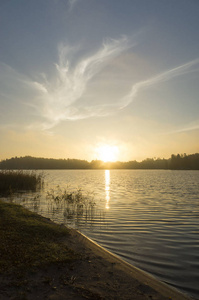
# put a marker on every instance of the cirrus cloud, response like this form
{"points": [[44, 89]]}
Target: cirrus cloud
{"points": [[67, 96]]}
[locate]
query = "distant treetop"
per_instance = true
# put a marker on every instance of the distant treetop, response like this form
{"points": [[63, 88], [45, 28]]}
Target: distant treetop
{"points": [[175, 162]]}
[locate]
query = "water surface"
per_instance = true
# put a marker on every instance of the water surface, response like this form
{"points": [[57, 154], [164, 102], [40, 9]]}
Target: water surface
{"points": [[150, 218]]}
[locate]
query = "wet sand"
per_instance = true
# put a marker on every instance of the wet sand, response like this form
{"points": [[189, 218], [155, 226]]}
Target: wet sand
{"points": [[112, 278]]}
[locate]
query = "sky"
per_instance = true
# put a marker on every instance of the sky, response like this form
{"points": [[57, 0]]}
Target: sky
{"points": [[82, 77]]}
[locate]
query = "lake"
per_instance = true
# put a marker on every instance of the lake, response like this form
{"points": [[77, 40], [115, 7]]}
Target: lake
{"points": [[150, 218]]}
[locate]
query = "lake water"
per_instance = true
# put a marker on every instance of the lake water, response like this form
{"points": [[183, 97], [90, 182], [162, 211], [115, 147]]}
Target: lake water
{"points": [[150, 218]]}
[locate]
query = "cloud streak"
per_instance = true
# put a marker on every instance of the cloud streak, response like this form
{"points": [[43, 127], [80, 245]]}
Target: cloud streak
{"points": [[188, 127], [61, 96], [66, 100], [162, 77], [71, 4], [68, 95]]}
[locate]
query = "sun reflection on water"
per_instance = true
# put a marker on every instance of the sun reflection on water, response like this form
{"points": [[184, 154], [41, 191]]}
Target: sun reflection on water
{"points": [[107, 187]]}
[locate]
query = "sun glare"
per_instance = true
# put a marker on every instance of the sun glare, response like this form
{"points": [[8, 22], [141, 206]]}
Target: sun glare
{"points": [[107, 153]]}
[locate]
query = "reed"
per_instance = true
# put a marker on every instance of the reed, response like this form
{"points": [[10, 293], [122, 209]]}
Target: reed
{"points": [[14, 181], [75, 204]]}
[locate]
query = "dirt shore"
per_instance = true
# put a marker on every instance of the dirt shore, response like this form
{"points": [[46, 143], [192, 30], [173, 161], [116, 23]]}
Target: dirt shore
{"points": [[97, 274]]}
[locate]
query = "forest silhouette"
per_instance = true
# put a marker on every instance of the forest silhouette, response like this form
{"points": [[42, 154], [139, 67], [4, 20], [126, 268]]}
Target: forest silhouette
{"points": [[175, 162]]}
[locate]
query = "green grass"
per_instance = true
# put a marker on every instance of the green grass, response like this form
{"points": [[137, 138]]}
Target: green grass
{"points": [[13, 181], [27, 240]]}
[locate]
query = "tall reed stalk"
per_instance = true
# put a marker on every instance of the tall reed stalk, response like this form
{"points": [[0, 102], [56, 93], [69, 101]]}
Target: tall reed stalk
{"points": [[75, 204]]}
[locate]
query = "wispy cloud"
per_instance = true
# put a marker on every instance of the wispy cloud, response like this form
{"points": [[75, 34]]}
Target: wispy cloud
{"points": [[71, 4], [17, 94], [186, 128], [162, 77], [68, 96], [60, 98], [72, 80]]}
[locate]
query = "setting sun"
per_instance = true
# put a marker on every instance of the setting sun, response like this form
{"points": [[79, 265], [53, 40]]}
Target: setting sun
{"points": [[107, 153]]}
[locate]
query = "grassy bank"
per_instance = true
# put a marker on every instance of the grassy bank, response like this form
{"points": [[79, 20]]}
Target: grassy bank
{"points": [[29, 241], [13, 181]]}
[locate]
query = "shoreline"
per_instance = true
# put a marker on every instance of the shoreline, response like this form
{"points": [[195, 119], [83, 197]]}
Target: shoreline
{"points": [[88, 272], [146, 284]]}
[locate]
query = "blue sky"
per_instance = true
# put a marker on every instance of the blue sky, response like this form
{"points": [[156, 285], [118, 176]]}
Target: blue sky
{"points": [[79, 75]]}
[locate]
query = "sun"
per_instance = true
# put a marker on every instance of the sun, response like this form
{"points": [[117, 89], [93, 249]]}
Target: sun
{"points": [[107, 153]]}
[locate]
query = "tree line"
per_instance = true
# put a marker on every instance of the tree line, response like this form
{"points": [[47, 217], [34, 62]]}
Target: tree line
{"points": [[175, 162]]}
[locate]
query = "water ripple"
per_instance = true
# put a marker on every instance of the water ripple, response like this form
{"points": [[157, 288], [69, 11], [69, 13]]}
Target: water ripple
{"points": [[150, 218]]}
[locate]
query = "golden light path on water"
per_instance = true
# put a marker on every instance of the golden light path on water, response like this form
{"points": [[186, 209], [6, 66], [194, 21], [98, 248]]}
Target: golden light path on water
{"points": [[107, 187]]}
